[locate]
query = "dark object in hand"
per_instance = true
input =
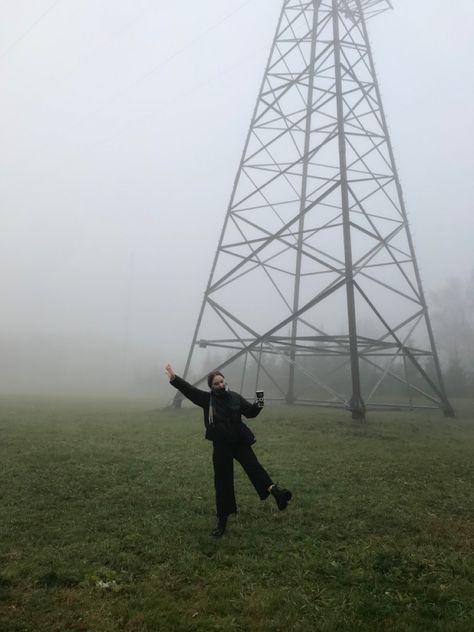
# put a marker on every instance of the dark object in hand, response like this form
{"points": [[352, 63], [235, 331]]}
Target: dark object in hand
{"points": [[260, 402]]}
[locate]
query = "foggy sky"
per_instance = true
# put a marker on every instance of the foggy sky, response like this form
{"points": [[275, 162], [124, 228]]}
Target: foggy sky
{"points": [[121, 128]]}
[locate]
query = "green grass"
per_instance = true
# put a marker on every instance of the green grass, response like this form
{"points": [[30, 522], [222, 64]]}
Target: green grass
{"points": [[106, 510]]}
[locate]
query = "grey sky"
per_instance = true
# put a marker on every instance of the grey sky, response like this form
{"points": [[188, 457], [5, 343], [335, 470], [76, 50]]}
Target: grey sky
{"points": [[122, 125]]}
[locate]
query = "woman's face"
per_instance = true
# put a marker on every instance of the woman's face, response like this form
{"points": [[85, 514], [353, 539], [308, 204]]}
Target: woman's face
{"points": [[218, 383]]}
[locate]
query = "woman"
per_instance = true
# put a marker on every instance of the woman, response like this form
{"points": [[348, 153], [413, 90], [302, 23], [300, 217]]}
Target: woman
{"points": [[231, 439]]}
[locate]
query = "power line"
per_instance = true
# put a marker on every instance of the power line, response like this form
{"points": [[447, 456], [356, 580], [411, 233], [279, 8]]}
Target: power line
{"points": [[80, 61], [28, 30], [149, 73], [199, 86]]}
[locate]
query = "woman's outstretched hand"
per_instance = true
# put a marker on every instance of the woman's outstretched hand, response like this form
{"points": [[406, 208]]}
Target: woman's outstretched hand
{"points": [[169, 372]]}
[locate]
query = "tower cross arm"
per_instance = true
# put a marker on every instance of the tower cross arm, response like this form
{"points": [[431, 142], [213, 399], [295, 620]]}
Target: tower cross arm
{"points": [[369, 7]]}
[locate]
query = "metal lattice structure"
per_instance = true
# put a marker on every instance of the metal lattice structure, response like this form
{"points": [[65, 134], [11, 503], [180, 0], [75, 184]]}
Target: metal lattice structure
{"points": [[314, 291]]}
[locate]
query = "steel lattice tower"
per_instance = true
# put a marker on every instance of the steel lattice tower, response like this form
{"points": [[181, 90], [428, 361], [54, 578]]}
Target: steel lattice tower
{"points": [[315, 291]]}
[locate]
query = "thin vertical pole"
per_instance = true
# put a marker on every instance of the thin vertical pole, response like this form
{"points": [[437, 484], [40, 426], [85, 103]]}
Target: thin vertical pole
{"points": [[290, 398], [405, 367], [243, 372], [259, 365], [356, 403]]}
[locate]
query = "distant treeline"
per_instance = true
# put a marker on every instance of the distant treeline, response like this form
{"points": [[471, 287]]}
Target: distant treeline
{"points": [[53, 363], [452, 313], [82, 365]]}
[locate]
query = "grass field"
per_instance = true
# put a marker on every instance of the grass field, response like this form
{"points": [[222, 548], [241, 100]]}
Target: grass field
{"points": [[106, 512]]}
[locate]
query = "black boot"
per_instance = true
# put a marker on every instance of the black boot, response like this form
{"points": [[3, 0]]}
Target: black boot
{"points": [[282, 496], [220, 527]]}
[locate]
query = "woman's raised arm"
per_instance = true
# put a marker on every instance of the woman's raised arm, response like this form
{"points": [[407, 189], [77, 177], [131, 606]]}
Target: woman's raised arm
{"points": [[169, 371], [198, 397]]}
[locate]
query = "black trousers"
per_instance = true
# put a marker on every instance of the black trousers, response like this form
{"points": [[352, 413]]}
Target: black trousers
{"points": [[223, 456]]}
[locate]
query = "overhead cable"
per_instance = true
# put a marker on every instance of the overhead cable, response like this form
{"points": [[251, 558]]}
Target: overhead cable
{"points": [[28, 30]]}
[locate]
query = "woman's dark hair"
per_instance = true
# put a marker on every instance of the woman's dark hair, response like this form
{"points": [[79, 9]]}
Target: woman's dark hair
{"points": [[211, 376]]}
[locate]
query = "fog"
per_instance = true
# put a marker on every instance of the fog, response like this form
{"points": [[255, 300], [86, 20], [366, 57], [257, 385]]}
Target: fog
{"points": [[122, 125]]}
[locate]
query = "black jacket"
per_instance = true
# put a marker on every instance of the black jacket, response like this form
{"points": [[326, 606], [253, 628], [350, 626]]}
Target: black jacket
{"points": [[228, 408]]}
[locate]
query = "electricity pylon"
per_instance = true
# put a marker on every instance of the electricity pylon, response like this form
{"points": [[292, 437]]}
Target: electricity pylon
{"points": [[314, 290]]}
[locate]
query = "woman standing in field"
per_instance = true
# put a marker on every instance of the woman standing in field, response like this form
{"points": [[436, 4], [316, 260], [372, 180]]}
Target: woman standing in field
{"points": [[232, 439]]}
